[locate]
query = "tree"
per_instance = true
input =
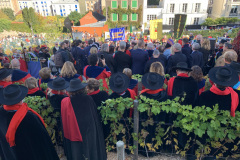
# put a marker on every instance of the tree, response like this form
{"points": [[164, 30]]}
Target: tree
{"points": [[9, 12], [29, 17], [4, 24], [19, 18], [3, 15], [208, 22], [75, 16]]}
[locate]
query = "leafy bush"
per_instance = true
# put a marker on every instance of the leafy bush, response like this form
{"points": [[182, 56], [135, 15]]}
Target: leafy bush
{"points": [[9, 12], [208, 131], [4, 24], [20, 27]]}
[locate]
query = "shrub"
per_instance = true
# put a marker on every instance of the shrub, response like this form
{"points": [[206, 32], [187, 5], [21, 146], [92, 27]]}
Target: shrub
{"points": [[4, 24]]}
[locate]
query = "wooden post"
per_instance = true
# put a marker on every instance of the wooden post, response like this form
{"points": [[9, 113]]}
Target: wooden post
{"points": [[136, 128], [120, 150]]}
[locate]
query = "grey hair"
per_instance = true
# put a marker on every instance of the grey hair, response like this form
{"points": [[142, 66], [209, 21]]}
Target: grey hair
{"points": [[150, 45], [196, 46], [122, 45], [15, 64], [105, 47], [177, 46], [156, 52]]}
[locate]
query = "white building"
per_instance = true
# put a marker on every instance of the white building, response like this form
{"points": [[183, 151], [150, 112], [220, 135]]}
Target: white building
{"points": [[42, 7], [51, 7], [196, 11], [65, 7]]}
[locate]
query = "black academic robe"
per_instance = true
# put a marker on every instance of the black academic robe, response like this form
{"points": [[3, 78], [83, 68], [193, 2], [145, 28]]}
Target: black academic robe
{"points": [[188, 86], [93, 146], [32, 139], [100, 97]]}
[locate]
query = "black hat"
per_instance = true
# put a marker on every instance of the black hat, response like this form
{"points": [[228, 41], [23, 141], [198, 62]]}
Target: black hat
{"points": [[75, 85], [119, 82], [58, 84], [152, 81], [13, 94], [4, 73], [224, 76], [182, 66], [236, 66]]}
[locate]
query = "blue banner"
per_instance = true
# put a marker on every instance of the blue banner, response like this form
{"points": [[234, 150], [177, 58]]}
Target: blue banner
{"points": [[117, 34]]}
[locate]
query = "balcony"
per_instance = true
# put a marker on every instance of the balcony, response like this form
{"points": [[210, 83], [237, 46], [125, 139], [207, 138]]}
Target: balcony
{"points": [[233, 14], [153, 6]]}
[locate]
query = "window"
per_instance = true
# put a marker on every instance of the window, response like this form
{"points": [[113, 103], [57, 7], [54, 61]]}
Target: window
{"points": [[184, 8], [197, 7], [234, 9], [134, 17], [151, 17], [63, 6], [41, 2], [210, 1], [114, 17], [124, 4], [171, 21], [124, 17], [196, 21], [134, 4], [209, 10], [172, 8], [114, 4], [75, 6]]}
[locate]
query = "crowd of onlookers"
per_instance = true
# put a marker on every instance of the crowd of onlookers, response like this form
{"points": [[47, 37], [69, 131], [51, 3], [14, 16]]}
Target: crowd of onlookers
{"points": [[74, 70]]}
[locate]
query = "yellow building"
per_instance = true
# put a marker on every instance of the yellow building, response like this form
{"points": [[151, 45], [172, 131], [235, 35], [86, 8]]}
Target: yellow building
{"points": [[225, 8]]}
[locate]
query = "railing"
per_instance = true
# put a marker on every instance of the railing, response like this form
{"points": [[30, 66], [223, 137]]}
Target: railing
{"points": [[153, 6], [233, 14]]}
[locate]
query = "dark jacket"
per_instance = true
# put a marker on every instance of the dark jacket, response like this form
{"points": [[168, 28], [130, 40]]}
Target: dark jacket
{"points": [[54, 50], [205, 53], [122, 60], [219, 53], [187, 51], [87, 49], [150, 53], [139, 60], [109, 61], [80, 58], [65, 56], [174, 60], [197, 59], [162, 59]]}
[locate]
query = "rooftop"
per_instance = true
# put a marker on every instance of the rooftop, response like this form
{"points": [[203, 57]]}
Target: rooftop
{"points": [[97, 24], [65, 1]]}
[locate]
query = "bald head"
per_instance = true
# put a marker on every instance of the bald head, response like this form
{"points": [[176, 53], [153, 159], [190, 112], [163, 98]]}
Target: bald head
{"points": [[15, 64]]}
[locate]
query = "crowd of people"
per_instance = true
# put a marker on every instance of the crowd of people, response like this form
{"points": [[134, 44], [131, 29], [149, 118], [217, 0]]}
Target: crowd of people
{"points": [[73, 75]]}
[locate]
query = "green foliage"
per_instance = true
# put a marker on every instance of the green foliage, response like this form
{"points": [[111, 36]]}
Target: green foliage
{"points": [[219, 21], [46, 111], [4, 24], [120, 11], [217, 127], [75, 16], [44, 86], [29, 17], [9, 12], [20, 27], [3, 15]]}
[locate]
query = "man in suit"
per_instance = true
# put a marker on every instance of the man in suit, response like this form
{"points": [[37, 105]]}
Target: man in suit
{"points": [[139, 58], [175, 59], [197, 57], [187, 51]]}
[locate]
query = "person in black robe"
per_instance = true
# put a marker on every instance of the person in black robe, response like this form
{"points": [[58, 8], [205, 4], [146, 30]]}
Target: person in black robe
{"points": [[83, 134], [223, 94], [29, 140], [93, 91], [153, 83], [33, 89], [183, 85], [56, 93]]}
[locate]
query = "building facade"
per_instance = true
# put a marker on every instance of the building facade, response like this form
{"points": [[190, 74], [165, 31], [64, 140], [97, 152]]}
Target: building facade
{"points": [[196, 11], [13, 4], [124, 4], [64, 8], [225, 8], [93, 5]]}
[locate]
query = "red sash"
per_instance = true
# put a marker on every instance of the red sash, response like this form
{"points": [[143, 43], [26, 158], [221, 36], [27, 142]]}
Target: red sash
{"points": [[57, 92], [149, 91], [17, 119], [93, 93], [85, 72], [32, 91], [5, 84], [133, 95], [70, 125], [234, 97], [171, 81]]}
